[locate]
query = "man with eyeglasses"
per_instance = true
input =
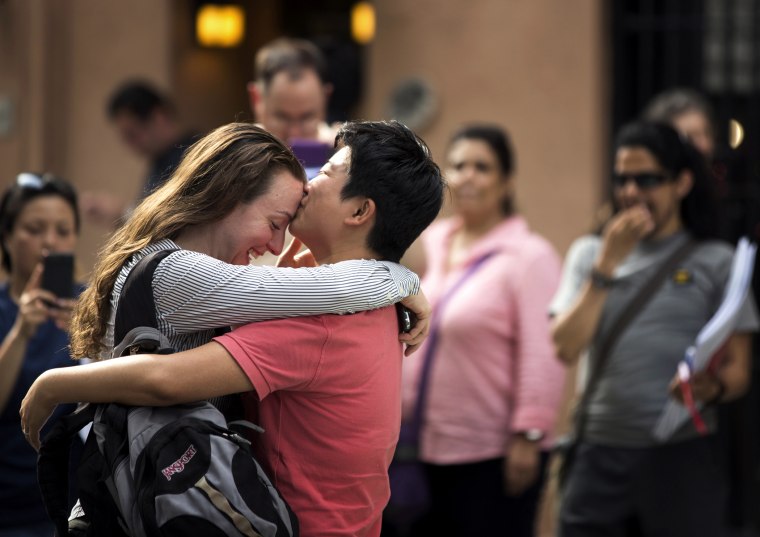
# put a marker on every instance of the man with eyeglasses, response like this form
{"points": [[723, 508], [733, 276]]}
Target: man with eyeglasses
{"points": [[621, 478], [291, 91], [289, 99]]}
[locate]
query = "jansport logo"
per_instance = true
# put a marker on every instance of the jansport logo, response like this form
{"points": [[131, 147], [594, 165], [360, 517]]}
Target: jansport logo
{"points": [[179, 465]]}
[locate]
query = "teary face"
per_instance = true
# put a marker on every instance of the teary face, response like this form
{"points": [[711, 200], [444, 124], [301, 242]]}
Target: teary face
{"points": [[255, 228]]}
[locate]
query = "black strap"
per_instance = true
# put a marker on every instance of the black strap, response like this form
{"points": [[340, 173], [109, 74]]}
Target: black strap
{"points": [[53, 465], [136, 306], [432, 343], [601, 352]]}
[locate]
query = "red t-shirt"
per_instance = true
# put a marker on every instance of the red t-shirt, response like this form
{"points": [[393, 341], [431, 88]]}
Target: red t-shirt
{"points": [[330, 390]]}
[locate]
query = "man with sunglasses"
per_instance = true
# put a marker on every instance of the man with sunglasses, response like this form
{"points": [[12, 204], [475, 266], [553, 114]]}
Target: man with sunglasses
{"points": [[622, 481]]}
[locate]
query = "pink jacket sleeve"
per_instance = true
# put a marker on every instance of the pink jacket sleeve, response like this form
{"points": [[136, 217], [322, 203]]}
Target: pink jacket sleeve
{"points": [[539, 375]]}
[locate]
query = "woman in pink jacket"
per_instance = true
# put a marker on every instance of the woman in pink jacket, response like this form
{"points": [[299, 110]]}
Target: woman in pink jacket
{"points": [[494, 382]]}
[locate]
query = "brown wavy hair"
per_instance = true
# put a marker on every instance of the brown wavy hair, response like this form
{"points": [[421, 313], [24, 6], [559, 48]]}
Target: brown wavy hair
{"points": [[234, 164]]}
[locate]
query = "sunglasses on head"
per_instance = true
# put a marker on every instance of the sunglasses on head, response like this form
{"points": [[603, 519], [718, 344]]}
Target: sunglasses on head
{"points": [[31, 180], [643, 180]]}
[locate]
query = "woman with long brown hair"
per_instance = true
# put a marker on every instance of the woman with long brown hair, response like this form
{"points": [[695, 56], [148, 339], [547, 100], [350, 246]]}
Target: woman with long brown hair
{"points": [[231, 198]]}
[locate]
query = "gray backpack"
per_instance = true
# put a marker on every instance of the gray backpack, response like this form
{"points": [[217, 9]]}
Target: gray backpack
{"points": [[160, 471]]}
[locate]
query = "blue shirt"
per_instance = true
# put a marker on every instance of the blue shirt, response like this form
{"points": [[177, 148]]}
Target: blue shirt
{"points": [[20, 500]]}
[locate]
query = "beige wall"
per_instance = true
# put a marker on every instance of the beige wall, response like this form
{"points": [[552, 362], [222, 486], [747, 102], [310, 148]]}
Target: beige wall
{"points": [[59, 61], [534, 66], [110, 42]]}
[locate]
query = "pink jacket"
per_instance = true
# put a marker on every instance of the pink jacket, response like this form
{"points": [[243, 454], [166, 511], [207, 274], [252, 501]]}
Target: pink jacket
{"points": [[495, 369]]}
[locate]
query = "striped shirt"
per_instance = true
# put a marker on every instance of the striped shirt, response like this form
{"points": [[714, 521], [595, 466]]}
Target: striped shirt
{"points": [[195, 293]]}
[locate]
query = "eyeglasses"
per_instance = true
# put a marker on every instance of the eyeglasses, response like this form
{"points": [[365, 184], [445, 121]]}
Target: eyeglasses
{"points": [[45, 183], [644, 181], [307, 122]]}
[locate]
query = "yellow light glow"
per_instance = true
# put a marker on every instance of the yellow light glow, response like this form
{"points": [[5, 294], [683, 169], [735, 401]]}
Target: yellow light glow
{"points": [[220, 25], [363, 22], [735, 133]]}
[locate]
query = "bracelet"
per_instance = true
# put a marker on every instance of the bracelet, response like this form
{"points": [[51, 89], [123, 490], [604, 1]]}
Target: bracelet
{"points": [[531, 435], [601, 281], [719, 395]]}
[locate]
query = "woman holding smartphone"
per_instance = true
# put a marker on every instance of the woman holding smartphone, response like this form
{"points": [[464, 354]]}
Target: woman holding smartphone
{"points": [[38, 216]]}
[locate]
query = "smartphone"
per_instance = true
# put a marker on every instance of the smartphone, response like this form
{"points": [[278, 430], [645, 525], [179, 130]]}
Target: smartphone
{"points": [[313, 154], [58, 275], [406, 319]]}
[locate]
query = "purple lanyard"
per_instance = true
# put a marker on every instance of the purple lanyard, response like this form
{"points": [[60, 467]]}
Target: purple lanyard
{"points": [[427, 361]]}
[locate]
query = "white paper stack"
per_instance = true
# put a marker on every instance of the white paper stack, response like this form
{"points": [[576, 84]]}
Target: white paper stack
{"points": [[714, 334]]}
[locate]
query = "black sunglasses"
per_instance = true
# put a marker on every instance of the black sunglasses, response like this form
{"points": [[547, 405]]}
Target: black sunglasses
{"points": [[644, 181]]}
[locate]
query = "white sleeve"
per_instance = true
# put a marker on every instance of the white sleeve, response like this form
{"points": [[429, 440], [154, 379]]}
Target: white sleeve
{"points": [[576, 269], [195, 292]]}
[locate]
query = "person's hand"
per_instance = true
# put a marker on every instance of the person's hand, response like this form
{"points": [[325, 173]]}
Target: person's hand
{"points": [[35, 410], [32, 308], [418, 305], [704, 387], [62, 312], [292, 259], [621, 234], [522, 464]]}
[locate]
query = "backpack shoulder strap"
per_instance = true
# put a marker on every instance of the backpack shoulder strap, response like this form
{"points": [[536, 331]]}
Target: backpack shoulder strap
{"points": [[53, 465], [136, 307]]}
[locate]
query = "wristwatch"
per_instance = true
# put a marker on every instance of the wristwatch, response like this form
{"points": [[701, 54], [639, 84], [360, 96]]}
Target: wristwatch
{"points": [[601, 281], [532, 435]]}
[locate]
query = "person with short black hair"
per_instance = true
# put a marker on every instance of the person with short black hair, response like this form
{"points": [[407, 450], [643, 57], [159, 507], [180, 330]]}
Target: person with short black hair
{"points": [[622, 479], [229, 202], [329, 386], [139, 100], [147, 123]]}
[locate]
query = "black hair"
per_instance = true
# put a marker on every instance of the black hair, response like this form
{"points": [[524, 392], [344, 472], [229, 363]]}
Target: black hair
{"points": [[499, 142], [392, 166], [17, 196], [675, 154], [138, 99], [289, 55]]}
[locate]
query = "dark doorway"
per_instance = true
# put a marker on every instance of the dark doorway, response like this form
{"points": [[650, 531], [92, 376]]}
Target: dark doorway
{"points": [[712, 46]]}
